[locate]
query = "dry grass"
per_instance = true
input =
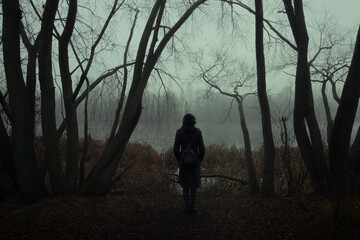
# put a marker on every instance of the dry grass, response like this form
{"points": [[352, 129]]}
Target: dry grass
{"points": [[144, 169], [230, 161], [148, 171]]}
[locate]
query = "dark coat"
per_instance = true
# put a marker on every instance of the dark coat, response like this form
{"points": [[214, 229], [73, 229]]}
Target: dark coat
{"points": [[189, 177]]}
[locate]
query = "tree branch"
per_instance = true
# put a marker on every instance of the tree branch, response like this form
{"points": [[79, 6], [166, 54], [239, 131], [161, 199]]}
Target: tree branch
{"points": [[317, 54], [282, 37], [114, 9], [91, 87], [122, 97], [5, 106], [156, 30]]}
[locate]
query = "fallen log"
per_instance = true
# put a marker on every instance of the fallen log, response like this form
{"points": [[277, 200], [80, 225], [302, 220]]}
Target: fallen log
{"points": [[225, 177], [218, 176]]}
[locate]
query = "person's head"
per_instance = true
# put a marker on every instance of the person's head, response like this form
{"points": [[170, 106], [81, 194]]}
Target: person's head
{"points": [[189, 120]]}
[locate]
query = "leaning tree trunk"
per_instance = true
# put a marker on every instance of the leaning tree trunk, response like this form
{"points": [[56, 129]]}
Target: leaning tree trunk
{"points": [[354, 155], [327, 110], [341, 133], [269, 148], [306, 127], [254, 186], [48, 121], [28, 179]]}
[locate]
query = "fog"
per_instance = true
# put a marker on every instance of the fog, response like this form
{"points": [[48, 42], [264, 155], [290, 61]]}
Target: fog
{"points": [[180, 91], [217, 117]]}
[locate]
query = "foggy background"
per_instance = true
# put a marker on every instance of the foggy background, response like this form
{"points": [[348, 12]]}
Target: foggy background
{"points": [[217, 117], [181, 91]]}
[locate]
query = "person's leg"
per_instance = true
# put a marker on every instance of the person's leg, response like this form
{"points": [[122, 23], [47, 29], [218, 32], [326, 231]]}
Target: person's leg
{"points": [[186, 200], [192, 199]]}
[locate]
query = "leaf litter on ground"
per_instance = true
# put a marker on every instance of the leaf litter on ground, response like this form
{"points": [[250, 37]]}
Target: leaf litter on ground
{"points": [[160, 216]]}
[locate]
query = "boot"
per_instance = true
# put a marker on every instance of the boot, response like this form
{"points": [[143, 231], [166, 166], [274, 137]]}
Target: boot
{"points": [[187, 210], [192, 211]]}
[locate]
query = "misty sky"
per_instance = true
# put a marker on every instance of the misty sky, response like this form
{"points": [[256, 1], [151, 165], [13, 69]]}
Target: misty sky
{"points": [[347, 11], [212, 36], [241, 44], [204, 32]]}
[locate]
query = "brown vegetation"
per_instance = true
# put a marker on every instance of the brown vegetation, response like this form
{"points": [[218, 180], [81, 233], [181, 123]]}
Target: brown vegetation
{"points": [[146, 171], [143, 204]]}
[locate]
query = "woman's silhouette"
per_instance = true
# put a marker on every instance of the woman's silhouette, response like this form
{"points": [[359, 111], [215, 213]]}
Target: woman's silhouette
{"points": [[189, 176]]}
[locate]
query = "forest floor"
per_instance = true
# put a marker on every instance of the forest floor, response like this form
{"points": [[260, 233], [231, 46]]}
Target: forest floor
{"points": [[160, 216]]}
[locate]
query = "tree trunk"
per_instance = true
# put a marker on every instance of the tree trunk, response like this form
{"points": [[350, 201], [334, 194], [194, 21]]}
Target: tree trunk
{"points": [[327, 110], [101, 174], [354, 155], [311, 147], [98, 181], [31, 87], [7, 187], [334, 92], [254, 186], [124, 86], [72, 141], [29, 182], [32, 51], [340, 140], [48, 120], [86, 138], [286, 155], [6, 158], [269, 148]]}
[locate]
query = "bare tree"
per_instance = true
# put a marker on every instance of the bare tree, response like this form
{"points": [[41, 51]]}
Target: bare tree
{"points": [[19, 167], [124, 85], [269, 147], [282, 115], [330, 63], [306, 127], [335, 180], [238, 76]]}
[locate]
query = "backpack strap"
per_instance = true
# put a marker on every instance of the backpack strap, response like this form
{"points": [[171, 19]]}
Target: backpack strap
{"points": [[193, 138]]}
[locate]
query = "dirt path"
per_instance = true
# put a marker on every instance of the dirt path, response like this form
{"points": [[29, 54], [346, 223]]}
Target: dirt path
{"points": [[161, 217], [230, 219]]}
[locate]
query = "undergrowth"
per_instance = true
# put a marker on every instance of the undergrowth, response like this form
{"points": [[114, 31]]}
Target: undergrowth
{"points": [[146, 171], [145, 193]]}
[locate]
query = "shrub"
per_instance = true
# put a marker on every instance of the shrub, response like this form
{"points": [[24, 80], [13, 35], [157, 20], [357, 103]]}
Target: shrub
{"points": [[147, 172]]}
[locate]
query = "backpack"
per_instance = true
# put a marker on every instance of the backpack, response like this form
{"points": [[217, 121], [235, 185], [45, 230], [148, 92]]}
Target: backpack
{"points": [[188, 156]]}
